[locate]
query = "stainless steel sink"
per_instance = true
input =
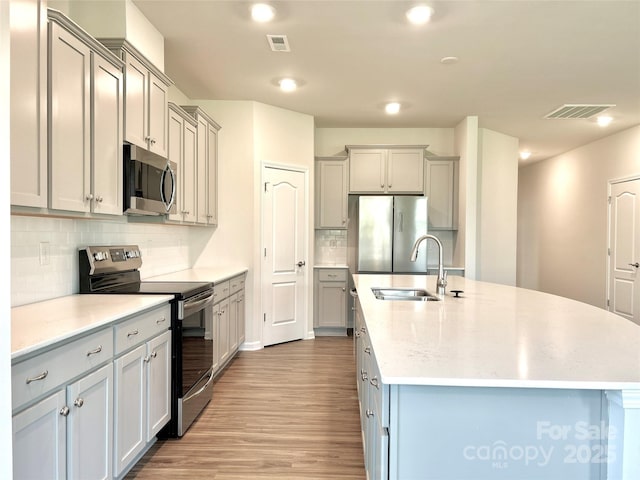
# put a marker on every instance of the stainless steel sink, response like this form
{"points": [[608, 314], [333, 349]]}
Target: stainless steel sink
{"points": [[407, 294]]}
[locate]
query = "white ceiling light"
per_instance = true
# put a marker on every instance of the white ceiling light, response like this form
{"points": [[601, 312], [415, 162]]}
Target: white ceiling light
{"points": [[524, 155], [392, 108], [288, 84], [420, 14], [261, 12], [449, 60], [604, 120]]}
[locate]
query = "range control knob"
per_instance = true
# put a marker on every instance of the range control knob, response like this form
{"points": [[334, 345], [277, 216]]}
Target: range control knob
{"points": [[98, 256]]}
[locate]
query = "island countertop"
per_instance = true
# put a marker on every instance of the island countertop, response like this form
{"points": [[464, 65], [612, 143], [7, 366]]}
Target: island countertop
{"points": [[497, 336]]}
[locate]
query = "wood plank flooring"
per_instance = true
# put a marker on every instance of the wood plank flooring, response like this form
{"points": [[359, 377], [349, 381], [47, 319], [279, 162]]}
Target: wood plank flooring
{"points": [[289, 411]]}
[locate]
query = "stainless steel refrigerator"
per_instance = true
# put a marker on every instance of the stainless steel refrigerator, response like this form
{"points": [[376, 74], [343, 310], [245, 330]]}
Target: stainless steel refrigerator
{"points": [[387, 228]]}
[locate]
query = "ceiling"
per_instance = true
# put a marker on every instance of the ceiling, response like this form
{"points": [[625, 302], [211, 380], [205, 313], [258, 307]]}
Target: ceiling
{"points": [[518, 61]]}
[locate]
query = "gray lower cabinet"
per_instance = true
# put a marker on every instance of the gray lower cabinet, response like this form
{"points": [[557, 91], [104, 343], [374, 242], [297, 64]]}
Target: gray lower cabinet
{"points": [[229, 320], [77, 413], [330, 301]]}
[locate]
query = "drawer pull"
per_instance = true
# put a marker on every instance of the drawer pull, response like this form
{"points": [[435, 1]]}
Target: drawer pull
{"points": [[374, 382], [78, 402], [94, 351], [332, 275], [369, 413], [161, 320], [367, 350], [363, 374], [42, 376], [131, 334]]}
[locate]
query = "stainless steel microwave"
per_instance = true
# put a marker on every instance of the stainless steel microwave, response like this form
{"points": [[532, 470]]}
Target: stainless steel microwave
{"points": [[149, 182]]}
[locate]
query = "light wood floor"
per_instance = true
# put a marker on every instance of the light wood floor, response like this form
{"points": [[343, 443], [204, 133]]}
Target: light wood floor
{"points": [[289, 411]]}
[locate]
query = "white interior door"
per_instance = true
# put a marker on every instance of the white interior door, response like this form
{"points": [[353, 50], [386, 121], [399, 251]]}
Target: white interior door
{"points": [[624, 243], [284, 254]]}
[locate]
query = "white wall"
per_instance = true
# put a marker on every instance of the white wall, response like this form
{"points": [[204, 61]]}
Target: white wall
{"points": [[562, 217], [497, 207], [466, 146], [6, 457], [331, 141]]}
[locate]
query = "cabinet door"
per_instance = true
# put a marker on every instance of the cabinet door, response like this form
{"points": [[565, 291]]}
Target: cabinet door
{"points": [[233, 323], [405, 171], [158, 115], [223, 331], [241, 319], [189, 173], [159, 384], [107, 137], [28, 82], [70, 72], [215, 334], [332, 191], [440, 193], [39, 440], [136, 94], [202, 159], [367, 169], [90, 427], [332, 304], [212, 176], [176, 149], [129, 434]]}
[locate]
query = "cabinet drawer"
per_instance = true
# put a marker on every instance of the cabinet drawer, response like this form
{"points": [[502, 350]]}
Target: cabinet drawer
{"points": [[221, 290], [141, 328], [337, 275], [236, 284], [39, 375]]}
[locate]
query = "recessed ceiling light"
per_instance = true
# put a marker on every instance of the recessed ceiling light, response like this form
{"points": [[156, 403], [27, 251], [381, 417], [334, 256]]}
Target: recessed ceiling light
{"points": [[604, 120], [288, 84], [525, 154], [261, 12], [392, 108], [448, 60], [420, 14]]}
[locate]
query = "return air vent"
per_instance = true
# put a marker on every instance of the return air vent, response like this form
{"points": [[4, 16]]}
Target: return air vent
{"points": [[278, 43], [577, 111]]}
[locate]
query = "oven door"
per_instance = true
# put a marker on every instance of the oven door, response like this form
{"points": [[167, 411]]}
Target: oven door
{"points": [[195, 354]]}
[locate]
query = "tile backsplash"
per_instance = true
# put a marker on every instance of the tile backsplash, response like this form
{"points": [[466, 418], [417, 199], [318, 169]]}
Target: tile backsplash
{"points": [[331, 247], [44, 252]]}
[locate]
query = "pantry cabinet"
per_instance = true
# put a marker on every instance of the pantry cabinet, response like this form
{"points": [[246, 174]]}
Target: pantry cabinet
{"points": [[207, 166], [442, 192], [28, 109], [332, 191], [182, 151], [146, 115], [85, 121], [385, 170], [330, 301]]}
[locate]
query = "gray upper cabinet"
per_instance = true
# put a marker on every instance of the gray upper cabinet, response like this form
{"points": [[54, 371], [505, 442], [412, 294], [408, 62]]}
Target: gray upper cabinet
{"points": [[146, 116], [85, 121], [331, 192], [182, 151], [28, 30], [386, 169], [442, 191]]}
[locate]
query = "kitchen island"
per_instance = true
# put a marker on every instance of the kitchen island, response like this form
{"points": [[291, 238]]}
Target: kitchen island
{"points": [[502, 382]]}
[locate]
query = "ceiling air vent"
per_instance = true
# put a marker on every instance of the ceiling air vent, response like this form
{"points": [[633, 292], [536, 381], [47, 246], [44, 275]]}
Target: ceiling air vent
{"points": [[577, 111], [278, 43]]}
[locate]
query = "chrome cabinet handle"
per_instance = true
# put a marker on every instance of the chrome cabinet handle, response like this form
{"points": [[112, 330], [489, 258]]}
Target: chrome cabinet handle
{"points": [[358, 334], [131, 334], [344, 289], [637, 265], [89, 197], [369, 413], [154, 354], [42, 376], [78, 402], [301, 263], [99, 199], [64, 411], [146, 359], [153, 141], [374, 382], [367, 350], [363, 375], [161, 320], [94, 351]]}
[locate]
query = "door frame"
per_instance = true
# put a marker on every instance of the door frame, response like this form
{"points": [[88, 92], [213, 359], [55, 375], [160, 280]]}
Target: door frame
{"points": [[308, 251], [610, 183]]}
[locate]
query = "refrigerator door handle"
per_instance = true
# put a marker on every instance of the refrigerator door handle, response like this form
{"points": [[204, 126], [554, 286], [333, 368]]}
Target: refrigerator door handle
{"points": [[400, 222]]}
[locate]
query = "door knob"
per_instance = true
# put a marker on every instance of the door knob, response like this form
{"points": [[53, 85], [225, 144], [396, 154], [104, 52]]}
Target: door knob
{"points": [[637, 265], [301, 263]]}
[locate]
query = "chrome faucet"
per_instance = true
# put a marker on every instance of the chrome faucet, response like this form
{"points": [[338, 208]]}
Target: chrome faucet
{"points": [[442, 277]]}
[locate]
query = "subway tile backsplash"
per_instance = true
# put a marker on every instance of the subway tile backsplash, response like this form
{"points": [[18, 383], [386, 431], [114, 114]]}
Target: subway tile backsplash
{"points": [[331, 247], [44, 251]]}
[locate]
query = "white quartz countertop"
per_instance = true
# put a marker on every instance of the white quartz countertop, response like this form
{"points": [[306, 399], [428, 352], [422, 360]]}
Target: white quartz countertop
{"points": [[42, 324], [497, 336], [213, 274], [324, 265]]}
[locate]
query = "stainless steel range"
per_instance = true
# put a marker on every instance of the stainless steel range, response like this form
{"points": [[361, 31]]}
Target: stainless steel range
{"points": [[115, 269]]}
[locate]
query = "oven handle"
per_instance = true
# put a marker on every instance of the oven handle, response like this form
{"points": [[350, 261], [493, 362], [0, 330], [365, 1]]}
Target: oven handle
{"points": [[194, 394], [192, 306]]}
